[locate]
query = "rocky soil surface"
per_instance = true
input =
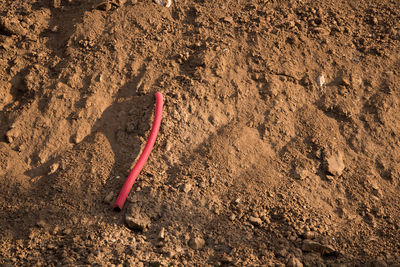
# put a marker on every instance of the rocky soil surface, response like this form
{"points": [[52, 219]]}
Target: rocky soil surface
{"points": [[279, 145]]}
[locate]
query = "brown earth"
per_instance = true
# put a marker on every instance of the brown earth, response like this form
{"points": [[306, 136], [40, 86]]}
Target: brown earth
{"points": [[257, 162]]}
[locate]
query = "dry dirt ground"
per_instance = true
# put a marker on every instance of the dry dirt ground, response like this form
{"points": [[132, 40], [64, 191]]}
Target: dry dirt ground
{"points": [[257, 162]]}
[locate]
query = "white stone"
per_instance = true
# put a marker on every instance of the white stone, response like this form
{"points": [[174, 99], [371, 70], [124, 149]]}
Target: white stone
{"points": [[321, 80], [166, 3]]}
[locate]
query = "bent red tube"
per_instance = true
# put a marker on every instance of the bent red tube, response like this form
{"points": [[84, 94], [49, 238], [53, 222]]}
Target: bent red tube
{"points": [[126, 188]]}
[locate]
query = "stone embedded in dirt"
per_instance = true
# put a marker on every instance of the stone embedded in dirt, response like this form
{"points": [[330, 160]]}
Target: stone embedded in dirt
{"points": [[12, 134], [109, 198], [131, 127], [186, 188], [380, 263], [344, 81], [137, 222], [297, 252], [197, 243], [9, 160], [321, 80], [281, 253], [266, 219], [107, 5], [166, 3], [54, 168], [226, 259], [228, 19], [302, 174], [41, 224], [313, 246], [330, 177], [294, 262], [67, 231], [161, 234], [321, 31], [291, 24], [168, 146], [83, 130], [55, 3], [121, 2], [309, 235], [255, 220], [12, 26], [335, 163], [55, 230], [51, 246]]}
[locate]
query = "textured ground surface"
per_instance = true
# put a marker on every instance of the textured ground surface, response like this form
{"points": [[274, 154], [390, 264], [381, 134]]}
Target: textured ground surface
{"points": [[255, 163]]}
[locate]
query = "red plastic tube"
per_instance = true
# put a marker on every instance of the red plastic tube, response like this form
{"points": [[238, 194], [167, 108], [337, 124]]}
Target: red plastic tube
{"points": [[126, 188]]}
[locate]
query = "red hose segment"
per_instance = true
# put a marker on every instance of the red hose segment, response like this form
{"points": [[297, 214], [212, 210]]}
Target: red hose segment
{"points": [[126, 188]]}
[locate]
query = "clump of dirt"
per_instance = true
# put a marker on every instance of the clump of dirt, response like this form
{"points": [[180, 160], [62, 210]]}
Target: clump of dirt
{"points": [[279, 143]]}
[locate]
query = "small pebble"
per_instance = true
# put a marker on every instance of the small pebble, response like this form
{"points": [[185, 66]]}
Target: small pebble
{"points": [[138, 222], [41, 224], [344, 81], [55, 3], [255, 220], [309, 235], [330, 177], [54, 167], [302, 174], [67, 231], [321, 80], [281, 253], [197, 243], [51, 246], [313, 246], [186, 188], [294, 262], [108, 199], [228, 20], [166, 3], [55, 230], [161, 234], [266, 219], [168, 146], [291, 24]]}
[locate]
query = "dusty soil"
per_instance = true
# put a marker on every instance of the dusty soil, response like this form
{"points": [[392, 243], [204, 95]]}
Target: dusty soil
{"points": [[258, 162]]}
